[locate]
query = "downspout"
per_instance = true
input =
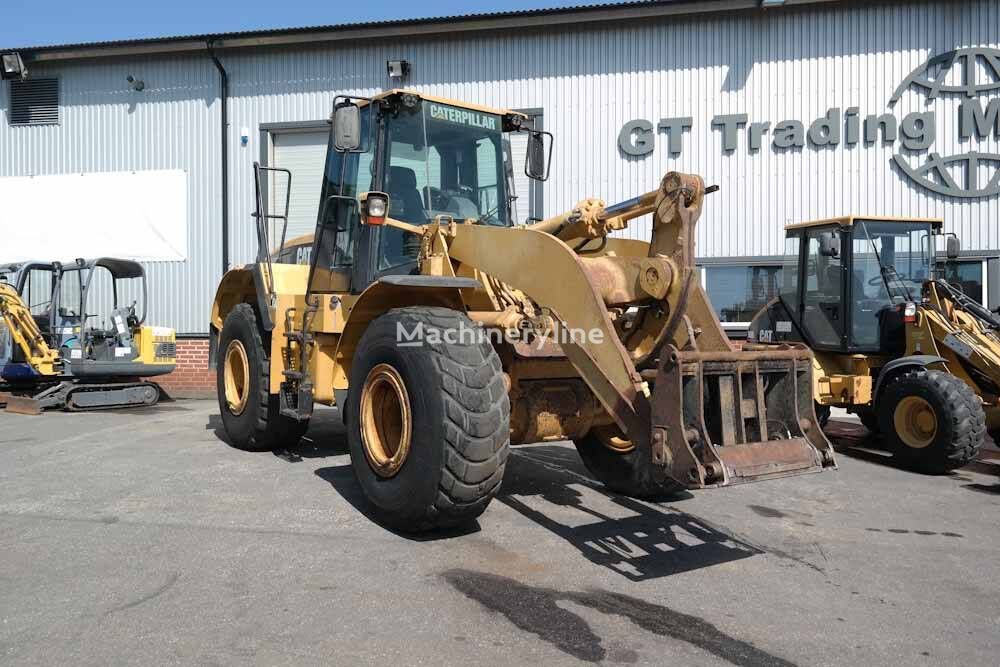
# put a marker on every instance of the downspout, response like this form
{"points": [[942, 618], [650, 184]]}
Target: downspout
{"points": [[224, 120]]}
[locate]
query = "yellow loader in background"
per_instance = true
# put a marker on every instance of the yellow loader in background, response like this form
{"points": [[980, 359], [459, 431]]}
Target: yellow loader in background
{"points": [[915, 358], [445, 332]]}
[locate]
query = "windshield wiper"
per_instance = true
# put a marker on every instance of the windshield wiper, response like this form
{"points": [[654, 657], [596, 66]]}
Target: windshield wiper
{"points": [[886, 271]]}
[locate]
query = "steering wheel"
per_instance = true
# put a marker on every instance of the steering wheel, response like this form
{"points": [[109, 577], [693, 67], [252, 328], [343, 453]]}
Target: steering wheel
{"points": [[438, 200]]}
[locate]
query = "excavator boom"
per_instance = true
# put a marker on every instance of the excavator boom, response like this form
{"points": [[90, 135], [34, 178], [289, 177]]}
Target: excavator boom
{"points": [[25, 332]]}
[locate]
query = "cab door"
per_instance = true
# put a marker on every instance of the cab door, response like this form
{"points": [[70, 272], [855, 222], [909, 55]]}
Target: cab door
{"points": [[823, 310], [337, 245]]}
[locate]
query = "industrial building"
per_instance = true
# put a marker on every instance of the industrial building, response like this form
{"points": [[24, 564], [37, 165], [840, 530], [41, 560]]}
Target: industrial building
{"points": [[797, 109]]}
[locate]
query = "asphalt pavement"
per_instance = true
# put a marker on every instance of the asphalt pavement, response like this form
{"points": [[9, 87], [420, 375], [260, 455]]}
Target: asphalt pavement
{"points": [[140, 537]]}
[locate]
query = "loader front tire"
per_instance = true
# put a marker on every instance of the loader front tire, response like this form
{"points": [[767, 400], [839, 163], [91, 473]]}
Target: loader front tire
{"points": [[250, 414], [932, 421], [620, 466], [428, 424]]}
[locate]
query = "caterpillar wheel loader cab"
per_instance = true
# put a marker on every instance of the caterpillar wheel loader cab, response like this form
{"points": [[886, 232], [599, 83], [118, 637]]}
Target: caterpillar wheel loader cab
{"points": [[73, 336], [445, 332], [916, 359]]}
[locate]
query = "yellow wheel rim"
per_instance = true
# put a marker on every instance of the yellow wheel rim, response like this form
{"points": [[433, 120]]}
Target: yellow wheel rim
{"points": [[915, 422], [237, 377], [386, 420], [611, 437]]}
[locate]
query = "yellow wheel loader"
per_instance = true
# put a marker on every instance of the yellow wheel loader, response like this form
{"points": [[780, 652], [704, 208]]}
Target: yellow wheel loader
{"points": [[445, 332], [916, 359], [56, 354]]}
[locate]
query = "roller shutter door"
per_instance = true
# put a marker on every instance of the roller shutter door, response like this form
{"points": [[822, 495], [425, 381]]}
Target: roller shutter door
{"points": [[303, 153]]}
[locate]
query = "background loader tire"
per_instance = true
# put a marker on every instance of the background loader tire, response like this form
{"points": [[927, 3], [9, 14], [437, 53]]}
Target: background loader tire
{"points": [[460, 420], [869, 419], [822, 414], [630, 473], [959, 424], [259, 426]]}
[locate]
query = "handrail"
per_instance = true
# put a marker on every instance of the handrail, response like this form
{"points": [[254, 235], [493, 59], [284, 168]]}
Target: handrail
{"points": [[261, 218]]}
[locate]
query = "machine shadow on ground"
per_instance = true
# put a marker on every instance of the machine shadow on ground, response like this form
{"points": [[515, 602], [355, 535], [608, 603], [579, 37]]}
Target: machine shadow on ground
{"points": [[326, 437], [548, 485], [855, 441]]}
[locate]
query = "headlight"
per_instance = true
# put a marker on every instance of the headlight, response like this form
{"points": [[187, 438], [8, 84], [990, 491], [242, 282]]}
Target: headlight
{"points": [[376, 207]]}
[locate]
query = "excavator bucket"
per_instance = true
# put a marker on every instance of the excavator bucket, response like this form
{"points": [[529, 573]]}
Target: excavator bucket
{"points": [[723, 418]]}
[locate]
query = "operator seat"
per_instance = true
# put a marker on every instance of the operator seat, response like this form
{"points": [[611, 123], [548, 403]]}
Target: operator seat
{"points": [[406, 204], [405, 200]]}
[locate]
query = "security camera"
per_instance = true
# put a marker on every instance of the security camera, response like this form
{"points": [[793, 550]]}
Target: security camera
{"points": [[397, 69], [135, 84]]}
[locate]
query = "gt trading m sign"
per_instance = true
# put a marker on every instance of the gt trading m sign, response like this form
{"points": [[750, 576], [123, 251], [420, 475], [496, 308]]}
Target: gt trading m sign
{"points": [[970, 75]]}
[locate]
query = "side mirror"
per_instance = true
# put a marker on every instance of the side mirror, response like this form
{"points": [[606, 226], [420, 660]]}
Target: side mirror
{"points": [[953, 246], [829, 244], [538, 156], [347, 128]]}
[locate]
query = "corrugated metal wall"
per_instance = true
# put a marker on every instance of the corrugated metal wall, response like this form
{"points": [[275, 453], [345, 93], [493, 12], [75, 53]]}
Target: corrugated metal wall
{"points": [[785, 64], [104, 126]]}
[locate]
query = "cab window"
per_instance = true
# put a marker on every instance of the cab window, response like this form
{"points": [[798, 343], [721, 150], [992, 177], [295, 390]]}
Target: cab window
{"points": [[822, 304], [442, 161]]}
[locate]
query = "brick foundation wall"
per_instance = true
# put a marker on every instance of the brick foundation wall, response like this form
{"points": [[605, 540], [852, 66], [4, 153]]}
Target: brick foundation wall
{"points": [[191, 378]]}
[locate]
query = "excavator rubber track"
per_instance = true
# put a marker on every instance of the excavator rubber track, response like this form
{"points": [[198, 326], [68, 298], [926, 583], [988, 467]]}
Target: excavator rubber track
{"points": [[83, 397]]}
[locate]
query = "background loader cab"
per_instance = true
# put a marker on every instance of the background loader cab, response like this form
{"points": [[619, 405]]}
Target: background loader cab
{"points": [[893, 342]]}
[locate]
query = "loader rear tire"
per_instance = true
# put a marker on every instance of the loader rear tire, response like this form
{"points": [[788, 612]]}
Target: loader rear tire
{"points": [[443, 403], [250, 414], [932, 421], [620, 466]]}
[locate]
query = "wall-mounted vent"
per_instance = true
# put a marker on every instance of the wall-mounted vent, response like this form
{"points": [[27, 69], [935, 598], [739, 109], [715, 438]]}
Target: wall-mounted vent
{"points": [[34, 102]]}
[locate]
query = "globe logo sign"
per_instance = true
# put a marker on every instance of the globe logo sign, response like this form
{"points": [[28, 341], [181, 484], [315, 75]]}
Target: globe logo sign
{"points": [[971, 75]]}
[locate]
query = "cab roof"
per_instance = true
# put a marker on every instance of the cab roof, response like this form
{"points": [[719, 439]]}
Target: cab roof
{"points": [[849, 220], [446, 100]]}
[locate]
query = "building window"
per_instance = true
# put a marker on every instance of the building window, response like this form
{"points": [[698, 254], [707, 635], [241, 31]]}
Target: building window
{"points": [[966, 275], [738, 292], [34, 102]]}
